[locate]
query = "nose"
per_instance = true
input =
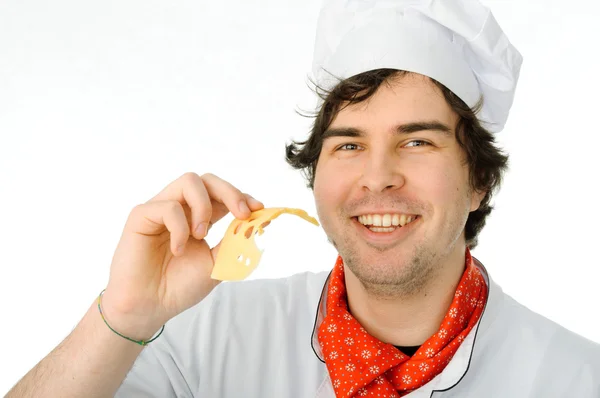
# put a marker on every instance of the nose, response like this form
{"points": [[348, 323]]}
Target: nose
{"points": [[381, 173]]}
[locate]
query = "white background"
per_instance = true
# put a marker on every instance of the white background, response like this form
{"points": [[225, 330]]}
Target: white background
{"points": [[102, 104]]}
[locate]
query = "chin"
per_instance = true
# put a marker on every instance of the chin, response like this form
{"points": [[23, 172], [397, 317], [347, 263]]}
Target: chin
{"points": [[404, 267]]}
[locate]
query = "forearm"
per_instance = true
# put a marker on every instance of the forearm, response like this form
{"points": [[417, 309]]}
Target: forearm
{"points": [[92, 362]]}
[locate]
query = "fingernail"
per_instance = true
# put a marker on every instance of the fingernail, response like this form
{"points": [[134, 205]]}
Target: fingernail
{"points": [[202, 229], [244, 207]]}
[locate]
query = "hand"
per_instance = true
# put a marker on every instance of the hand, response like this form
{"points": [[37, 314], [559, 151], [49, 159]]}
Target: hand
{"points": [[162, 264]]}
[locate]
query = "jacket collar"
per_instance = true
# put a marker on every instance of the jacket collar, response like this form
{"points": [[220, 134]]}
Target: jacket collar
{"points": [[458, 366]]}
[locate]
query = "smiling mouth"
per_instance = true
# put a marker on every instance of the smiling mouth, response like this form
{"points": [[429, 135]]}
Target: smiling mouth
{"points": [[385, 222]]}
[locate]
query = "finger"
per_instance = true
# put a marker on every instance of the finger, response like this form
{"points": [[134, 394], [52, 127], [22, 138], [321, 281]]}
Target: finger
{"points": [[232, 198], [253, 203], [189, 190], [210, 199], [155, 217], [220, 210]]}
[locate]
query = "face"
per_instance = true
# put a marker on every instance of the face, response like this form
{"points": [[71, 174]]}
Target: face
{"points": [[388, 160]]}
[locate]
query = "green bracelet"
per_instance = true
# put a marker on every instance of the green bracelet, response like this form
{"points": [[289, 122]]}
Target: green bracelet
{"points": [[141, 342]]}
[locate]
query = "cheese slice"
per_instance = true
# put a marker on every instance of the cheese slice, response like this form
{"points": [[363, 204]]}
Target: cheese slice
{"points": [[238, 254]]}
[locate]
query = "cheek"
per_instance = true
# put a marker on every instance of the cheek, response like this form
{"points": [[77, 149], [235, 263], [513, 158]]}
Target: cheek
{"points": [[331, 186], [442, 184]]}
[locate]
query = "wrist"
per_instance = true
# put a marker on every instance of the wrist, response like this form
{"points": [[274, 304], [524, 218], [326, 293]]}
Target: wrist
{"points": [[126, 323]]}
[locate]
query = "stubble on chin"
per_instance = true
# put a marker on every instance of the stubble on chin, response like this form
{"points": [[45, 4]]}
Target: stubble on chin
{"points": [[394, 278]]}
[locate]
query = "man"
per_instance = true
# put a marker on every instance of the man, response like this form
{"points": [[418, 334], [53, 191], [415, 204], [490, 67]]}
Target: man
{"points": [[403, 166]]}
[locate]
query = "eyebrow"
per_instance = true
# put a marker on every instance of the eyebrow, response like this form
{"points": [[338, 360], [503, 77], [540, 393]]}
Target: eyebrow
{"points": [[407, 128]]}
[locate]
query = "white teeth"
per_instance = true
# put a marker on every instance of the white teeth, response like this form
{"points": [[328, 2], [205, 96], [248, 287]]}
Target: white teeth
{"points": [[376, 220], [386, 220], [379, 229]]}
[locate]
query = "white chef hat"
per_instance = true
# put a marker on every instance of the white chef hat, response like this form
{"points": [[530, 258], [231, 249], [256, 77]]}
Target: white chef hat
{"points": [[456, 42]]}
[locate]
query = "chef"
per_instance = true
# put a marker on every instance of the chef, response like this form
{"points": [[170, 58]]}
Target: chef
{"points": [[402, 163], [406, 310]]}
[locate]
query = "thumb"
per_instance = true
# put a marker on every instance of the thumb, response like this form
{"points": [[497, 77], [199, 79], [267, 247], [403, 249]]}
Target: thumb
{"points": [[214, 252]]}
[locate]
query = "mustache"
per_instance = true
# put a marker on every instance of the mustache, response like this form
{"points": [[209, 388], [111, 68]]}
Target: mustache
{"points": [[403, 205]]}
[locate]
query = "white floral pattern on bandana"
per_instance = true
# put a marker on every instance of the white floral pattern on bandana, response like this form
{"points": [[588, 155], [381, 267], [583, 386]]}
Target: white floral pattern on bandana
{"points": [[360, 365]]}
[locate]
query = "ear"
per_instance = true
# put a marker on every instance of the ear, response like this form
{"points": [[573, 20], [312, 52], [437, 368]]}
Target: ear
{"points": [[476, 198]]}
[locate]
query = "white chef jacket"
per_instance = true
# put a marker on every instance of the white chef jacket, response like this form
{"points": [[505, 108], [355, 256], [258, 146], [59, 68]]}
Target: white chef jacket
{"points": [[258, 339]]}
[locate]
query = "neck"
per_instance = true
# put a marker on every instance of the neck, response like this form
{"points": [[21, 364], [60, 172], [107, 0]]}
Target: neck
{"points": [[408, 320]]}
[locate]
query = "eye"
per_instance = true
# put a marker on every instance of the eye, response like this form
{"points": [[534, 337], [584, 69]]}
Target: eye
{"points": [[420, 142], [347, 147]]}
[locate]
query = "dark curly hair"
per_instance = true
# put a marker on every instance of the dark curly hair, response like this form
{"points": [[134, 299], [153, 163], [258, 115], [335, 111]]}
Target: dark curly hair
{"points": [[487, 163]]}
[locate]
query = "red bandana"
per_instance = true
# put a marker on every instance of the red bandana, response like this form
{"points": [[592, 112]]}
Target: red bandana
{"points": [[361, 365]]}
